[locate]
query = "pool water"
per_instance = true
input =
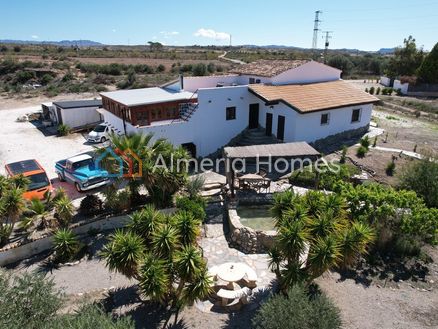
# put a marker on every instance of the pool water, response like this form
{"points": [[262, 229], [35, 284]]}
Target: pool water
{"points": [[257, 217]]}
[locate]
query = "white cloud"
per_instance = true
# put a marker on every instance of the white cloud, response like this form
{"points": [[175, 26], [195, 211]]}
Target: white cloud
{"points": [[169, 34], [114, 30], [211, 34], [35, 36]]}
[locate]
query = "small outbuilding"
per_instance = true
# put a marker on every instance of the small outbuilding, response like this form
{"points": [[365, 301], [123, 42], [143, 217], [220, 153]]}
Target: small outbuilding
{"points": [[77, 113]]}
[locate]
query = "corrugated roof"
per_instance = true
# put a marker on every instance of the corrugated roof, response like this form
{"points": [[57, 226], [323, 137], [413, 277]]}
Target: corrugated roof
{"points": [[315, 96], [268, 68], [296, 149], [143, 96], [79, 103]]}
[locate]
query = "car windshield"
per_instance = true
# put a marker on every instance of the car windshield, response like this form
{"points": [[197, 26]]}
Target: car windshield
{"points": [[83, 163], [99, 128], [38, 181]]}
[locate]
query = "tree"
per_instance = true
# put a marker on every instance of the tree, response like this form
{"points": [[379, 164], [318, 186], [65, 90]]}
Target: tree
{"points": [[314, 235], [199, 69], [162, 254], [155, 46], [341, 62], [406, 59], [422, 177], [160, 176], [428, 71], [31, 301]]}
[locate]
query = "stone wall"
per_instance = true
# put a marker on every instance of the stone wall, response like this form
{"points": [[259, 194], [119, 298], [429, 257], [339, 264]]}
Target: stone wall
{"points": [[334, 142], [244, 238]]}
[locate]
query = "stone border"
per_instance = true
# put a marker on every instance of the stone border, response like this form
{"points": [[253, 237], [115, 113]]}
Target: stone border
{"points": [[34, 247], [244, 238]]}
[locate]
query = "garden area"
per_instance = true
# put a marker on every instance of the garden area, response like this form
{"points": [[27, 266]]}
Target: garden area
{"points": [[336, 245]]}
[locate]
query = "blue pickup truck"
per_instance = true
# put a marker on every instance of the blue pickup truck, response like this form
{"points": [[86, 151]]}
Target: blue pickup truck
{"points": [[81, 171]]}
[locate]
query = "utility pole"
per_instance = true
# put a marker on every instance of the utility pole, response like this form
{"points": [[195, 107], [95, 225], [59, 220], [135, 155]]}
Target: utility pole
{"points": [[315, 30], [327, 43]]}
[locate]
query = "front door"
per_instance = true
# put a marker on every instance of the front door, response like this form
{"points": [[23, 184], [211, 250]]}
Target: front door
{"points": [[253, 116], [268, 124], [280, 127]]}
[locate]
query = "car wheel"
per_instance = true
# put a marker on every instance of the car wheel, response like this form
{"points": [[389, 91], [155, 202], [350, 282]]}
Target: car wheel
{"points": [[61, 178], [78, 187], [103, 140]]}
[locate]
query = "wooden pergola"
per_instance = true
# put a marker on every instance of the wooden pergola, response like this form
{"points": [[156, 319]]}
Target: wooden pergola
{"points": [[264, 153]]}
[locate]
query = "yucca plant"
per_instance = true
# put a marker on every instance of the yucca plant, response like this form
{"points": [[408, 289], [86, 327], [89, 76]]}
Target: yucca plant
{"points": [[13, 204], [65, 244], [314, 234], [124, 252], [64, 210], [5, 233], [146, 221], [165, 240], [188, 227], [63, 130], [20, 181], [282, 202]]}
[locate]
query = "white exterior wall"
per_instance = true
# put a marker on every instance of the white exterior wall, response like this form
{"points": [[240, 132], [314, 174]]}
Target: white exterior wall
{"points": [[78, 117], [402, 86], [307, 73], [385, 81], [307, 127], [207, 128], [194, 83]]}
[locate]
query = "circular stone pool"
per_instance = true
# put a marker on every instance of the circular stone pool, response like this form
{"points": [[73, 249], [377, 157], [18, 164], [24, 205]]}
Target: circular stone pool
{"points": [[257, 217]]}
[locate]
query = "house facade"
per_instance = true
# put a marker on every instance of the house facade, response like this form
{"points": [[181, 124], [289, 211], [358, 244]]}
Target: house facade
{"points": [[292, 100]]}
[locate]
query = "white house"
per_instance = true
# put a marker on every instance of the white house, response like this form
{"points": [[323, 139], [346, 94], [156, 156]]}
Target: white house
{"points": [[76, 113], [292, 100]]}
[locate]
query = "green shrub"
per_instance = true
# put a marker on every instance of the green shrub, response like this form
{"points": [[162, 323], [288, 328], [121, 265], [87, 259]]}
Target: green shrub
{"points": [[303, 178], [343, 154], [91, 205], [46, 79], [390, 168], [378, 91], [63, 130], [361, 151], [5, 233], [365, 142], [65, 244], [372, 90], [63, 210], [34, 302], [422, 177], [195, 206], [297, 310]]}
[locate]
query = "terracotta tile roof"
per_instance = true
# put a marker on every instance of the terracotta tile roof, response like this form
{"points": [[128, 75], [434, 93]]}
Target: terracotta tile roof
{"points": [[267, 68], [315, 96]]}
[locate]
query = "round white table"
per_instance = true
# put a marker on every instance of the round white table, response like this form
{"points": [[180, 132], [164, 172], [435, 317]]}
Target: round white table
{"points": [[231, 272]]}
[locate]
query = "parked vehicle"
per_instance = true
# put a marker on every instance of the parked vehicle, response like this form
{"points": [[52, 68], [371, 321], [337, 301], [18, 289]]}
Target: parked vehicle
{"points": [[100, 134], [39, 182], [81, 171]]}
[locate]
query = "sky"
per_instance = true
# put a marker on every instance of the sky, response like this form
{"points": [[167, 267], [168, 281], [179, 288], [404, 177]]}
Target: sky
{"points": [[365, 25]]}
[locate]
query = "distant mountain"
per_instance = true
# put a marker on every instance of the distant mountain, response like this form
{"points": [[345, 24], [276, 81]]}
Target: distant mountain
{"points": [[386, 51], [63, 43]]}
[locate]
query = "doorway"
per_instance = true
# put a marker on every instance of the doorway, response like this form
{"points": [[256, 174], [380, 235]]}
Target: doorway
{"points": [[268, 124], [280, 127], [253, 116]]}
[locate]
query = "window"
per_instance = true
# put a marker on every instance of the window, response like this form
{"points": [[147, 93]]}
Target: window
{"points": [[231, 113], [355, 115], [325, 119], [251, 81], [257, 81]]}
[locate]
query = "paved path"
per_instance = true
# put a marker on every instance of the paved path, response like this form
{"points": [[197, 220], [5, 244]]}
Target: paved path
{"points": [[394, 150]]}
